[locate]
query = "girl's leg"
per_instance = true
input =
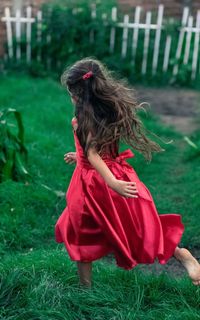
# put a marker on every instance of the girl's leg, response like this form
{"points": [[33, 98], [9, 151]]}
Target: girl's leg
{"points": [[85, 273], [190, 263]]}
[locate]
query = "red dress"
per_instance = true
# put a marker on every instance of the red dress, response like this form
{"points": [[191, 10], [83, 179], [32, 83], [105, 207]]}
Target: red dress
{"points": [[97, 220]]}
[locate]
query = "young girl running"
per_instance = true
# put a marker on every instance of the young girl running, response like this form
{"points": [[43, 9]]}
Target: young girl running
{"points": [[109, 210]]}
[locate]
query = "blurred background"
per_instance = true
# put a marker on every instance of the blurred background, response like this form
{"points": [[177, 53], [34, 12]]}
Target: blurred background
{"points": [[155, 46]]}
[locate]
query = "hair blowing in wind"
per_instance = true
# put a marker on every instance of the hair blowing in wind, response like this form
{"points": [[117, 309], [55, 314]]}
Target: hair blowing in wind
{"points": [[106, 108]]}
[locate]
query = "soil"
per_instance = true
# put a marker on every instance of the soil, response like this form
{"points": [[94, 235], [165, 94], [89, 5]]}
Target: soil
{"points": [[179, 108], [173, 267]]}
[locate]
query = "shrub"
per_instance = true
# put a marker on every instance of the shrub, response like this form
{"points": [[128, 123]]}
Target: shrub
{"points": [[13, 153]]}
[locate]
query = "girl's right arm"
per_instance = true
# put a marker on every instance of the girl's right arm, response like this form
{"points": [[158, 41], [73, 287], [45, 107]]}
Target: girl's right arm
{"points": [[70, 157]]}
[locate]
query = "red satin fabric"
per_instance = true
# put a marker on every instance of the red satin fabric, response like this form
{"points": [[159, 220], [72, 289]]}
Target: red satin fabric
{"points": [[97, 220]]}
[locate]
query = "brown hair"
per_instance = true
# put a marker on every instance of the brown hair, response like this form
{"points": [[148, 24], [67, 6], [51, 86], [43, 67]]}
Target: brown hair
{"points": [[105, 107]]}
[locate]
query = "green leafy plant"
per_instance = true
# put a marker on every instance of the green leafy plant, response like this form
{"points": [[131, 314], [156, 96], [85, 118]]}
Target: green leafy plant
{"points": [[13, 153], [194, 150]]}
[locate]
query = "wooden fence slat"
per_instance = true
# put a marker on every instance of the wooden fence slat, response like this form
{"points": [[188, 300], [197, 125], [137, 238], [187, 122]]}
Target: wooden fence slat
{"points": [[113, 29], [181, 38], [140, 25], [28, 35], [135, 34], [8, 20], [146, 43], [157, 39], [196, 47], [188, 40], [167, 53], [125, 36], [18, 34]]}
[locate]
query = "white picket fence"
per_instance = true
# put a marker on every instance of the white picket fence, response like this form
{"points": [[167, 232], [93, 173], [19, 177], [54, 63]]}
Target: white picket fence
{"points": [[188, 28]]}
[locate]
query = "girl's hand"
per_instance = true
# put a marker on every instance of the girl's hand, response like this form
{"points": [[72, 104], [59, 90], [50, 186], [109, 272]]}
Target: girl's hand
{"points": [[70, 157], [127, 189]]}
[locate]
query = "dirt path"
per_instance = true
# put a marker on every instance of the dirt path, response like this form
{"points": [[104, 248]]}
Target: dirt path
{"points": [[172, 267], [176, 107], [179, 108]]}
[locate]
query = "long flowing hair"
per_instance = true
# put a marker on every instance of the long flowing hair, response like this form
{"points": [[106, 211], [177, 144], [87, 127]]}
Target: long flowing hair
{"points": [[107, 109]]}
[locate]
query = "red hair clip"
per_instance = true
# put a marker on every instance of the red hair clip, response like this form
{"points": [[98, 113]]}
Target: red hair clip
{"points": [[87, 75]]}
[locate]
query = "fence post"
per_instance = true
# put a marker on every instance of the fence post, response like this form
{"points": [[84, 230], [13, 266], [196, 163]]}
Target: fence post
{"points": [[188, 40], [180, 40], [146, 42], [125, 36], [196, 46], [167, 53], [157, 38], [18, 33], [113, 29], [7, 20], [28, 35], [135, 34]]}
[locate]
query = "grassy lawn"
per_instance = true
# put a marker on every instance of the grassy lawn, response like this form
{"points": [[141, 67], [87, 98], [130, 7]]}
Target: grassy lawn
{"points": [[38, 280], [42, 284]]}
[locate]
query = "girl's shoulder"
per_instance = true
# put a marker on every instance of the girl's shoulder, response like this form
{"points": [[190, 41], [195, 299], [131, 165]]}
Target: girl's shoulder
{"points": [[74, 119], [74, 123]]}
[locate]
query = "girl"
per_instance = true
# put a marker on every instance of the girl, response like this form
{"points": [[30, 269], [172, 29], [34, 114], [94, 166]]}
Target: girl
{"points": [[108, 208]]}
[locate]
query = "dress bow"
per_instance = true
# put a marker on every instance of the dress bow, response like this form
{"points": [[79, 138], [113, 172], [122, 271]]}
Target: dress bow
{"points": [[125, 155]]}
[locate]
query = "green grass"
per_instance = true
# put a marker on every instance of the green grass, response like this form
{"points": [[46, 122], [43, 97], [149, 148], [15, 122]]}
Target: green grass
{"points": [[38, 286], [38, 280]]}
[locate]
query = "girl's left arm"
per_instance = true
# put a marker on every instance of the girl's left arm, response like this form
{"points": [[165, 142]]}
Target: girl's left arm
{"points": [[125, 188], [98, 163]]}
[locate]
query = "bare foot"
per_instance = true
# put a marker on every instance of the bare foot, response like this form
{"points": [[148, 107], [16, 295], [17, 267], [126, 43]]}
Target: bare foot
{"points": [[190, 263]]}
